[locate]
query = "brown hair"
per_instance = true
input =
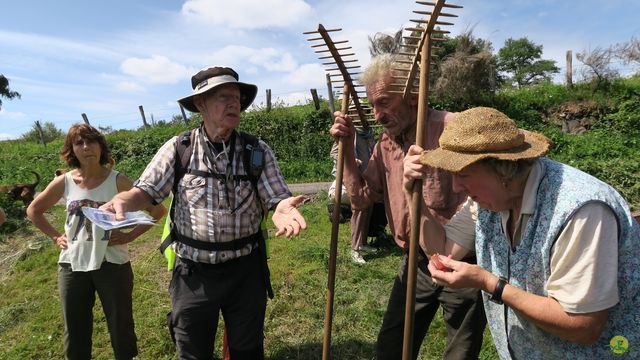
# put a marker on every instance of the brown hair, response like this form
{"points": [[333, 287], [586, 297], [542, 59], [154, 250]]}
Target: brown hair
{"points": [[86, 132]]}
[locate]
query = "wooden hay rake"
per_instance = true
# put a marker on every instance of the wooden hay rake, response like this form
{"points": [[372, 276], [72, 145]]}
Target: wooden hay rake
{"points": [[342, 68], [417, 47]]}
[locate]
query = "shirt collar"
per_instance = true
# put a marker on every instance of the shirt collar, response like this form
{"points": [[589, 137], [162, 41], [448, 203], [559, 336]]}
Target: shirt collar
{"points": [[530, 193]]}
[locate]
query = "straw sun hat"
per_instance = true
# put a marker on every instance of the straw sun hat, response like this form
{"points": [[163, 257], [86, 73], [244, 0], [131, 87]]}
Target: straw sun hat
{"points": [[208, 79], [480, 133]]}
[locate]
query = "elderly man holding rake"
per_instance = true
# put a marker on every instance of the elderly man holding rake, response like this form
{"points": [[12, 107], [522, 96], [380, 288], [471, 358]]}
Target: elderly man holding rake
{"points": [[382, 181]]}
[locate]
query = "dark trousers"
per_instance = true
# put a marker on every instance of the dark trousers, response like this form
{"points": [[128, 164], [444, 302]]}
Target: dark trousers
{"points": [[114, 285], [463, 315], [199, 292]]}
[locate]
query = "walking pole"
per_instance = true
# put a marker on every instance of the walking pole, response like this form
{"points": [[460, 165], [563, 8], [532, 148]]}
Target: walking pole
{"points": [[342, 74], [333, 248], [419, 42]]}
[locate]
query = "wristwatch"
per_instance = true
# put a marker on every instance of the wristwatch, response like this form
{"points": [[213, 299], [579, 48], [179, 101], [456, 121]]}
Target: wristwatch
{"points": [[496, 296]]}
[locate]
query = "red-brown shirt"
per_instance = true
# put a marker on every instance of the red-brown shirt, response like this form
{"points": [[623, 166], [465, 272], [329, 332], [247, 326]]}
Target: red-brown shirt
{"points": [[382, 181]]}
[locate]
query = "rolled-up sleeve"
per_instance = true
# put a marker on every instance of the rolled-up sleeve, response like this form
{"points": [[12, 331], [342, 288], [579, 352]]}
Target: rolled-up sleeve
{"points": [[157, 179]]}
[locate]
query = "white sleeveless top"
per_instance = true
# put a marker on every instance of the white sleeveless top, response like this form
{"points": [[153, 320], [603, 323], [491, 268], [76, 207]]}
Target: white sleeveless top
{"points": [[86, 243]]}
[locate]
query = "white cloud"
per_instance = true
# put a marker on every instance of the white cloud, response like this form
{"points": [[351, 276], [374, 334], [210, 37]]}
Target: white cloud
{"points": [[268, 58], [273, 60], [8, 137], [248, 14], [11, 115], [59, 49], [307, 74], [130, 87], [296, 98], [157, 69]]}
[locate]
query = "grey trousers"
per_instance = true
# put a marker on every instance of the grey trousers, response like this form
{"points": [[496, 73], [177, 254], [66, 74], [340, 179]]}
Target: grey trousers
{"points": [[114, 285], [463, 315]]}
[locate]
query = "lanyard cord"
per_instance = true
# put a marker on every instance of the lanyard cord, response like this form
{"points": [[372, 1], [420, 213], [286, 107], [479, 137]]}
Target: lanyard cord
{"points": [[228, 154]]}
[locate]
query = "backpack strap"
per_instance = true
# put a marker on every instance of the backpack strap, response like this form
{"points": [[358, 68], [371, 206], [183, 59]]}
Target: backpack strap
{"points": [[252, 158], [184, 148]]}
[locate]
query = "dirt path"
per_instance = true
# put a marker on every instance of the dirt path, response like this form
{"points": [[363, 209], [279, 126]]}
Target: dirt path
{"points": [[309, 188]]}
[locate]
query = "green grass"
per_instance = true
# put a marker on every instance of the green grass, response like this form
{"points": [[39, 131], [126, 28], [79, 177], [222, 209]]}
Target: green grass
{"points": [[31, 324]]}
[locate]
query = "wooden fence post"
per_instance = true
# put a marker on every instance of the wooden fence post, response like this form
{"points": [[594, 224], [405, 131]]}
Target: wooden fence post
{"points": [[184, 115], [86, 119], [316, 100], [330, 94], [569, 68], [144, 119], [40, 133], [268, 100]]}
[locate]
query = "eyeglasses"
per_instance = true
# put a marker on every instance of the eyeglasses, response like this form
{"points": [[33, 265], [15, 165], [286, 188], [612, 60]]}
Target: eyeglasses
{"points": [[227, 98]]}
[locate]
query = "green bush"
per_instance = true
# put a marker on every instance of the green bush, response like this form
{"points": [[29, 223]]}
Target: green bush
{"points": [[299, 137], [300, 140]]}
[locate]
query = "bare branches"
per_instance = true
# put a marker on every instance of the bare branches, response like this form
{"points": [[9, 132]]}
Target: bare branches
{"points": [[597, 65], [382, 43], [628, 52]]}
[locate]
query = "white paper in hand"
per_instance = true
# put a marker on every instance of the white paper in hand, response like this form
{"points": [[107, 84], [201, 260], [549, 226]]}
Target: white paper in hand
{"points": [[107, 220]]}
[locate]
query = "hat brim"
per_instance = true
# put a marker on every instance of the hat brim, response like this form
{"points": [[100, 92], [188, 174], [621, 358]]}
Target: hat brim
{"points": [[248, 93], [535, 145]]}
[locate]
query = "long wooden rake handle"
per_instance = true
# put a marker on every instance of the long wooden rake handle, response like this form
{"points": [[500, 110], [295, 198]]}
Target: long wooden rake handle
{"points": [[416, 200], [333, 248]]}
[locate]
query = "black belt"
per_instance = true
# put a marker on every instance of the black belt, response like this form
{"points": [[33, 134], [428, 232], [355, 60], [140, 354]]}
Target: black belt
{"points": [[232, 245]]}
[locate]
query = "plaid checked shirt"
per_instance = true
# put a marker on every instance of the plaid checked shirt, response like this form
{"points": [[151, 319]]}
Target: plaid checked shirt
{"points": [[207, 209]]}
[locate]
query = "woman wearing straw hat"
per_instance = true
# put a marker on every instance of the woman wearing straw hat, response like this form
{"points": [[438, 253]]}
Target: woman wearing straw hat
{"points": [[557, 249]]}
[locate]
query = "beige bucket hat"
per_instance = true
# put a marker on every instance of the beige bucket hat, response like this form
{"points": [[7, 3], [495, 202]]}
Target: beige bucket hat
{"points": [[480, 133], [210, 78]]}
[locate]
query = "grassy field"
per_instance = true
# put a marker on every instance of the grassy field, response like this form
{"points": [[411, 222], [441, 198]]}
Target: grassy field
{"points": [[31, 324]]}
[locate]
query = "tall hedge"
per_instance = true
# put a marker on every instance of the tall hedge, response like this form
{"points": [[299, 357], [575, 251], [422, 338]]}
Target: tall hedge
{"points": [[300, 139]]}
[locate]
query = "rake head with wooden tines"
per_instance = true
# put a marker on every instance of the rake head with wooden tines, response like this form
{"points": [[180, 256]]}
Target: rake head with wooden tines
{"points": [[406, 78], [342, 69]]}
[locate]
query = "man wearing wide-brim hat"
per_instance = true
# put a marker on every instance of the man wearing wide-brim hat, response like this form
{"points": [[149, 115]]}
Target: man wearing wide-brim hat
{"points": [[222, 180], [558, 250]]}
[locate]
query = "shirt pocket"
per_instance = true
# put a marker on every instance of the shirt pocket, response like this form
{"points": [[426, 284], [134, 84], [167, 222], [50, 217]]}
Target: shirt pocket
{"points": [[194, 189], [436, 190], [245, 199]]}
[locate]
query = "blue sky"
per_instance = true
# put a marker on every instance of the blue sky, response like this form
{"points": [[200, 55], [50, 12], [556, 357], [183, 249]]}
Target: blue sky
{"points": [[105, 58]]}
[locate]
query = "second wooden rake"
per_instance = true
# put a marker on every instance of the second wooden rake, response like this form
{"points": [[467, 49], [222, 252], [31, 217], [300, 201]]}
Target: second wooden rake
{"points": [[342, 73], [418, 44]]}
